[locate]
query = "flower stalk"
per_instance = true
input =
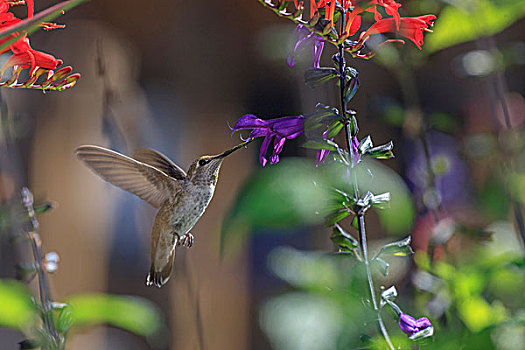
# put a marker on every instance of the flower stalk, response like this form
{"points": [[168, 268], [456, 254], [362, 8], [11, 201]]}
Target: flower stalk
{"points": [[363, 246], [43, 286]]}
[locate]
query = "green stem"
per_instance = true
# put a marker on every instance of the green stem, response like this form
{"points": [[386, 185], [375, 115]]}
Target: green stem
{"points": [[364, 254], [43, 286], [360, 214]]}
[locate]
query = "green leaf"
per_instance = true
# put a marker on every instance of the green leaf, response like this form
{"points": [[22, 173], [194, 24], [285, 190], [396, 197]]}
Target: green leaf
{"points": [[355, 223], [321, 144], [335, 217], [318, 76], [321, 118], [31, 25], [64, 320], [381, 152], [470, 20], [398, 217], [334, 129], [134, 314], [351, 88], [365, 144], [399, 248], [381, 265], [343, 239], [17, 311], [381, 200]]}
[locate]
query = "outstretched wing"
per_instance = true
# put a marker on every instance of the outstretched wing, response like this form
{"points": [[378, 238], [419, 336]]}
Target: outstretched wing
{"points": [[143, 180], [159, 161]]}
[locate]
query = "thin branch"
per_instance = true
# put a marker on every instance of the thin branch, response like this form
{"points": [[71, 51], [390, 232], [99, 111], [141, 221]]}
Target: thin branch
{"points": [[43, 286]]}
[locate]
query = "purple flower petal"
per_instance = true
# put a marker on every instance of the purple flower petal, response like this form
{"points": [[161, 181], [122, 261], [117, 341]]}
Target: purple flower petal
{"points": [[407, 324], [317, 50], [264, 150], [278, 144], [423, 323], [302, 38], [320, 156], [411, 326], [289, 127], [249, 121]]}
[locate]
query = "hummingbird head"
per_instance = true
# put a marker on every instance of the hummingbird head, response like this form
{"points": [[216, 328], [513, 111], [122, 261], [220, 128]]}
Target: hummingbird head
{"points": [[205, 169]]}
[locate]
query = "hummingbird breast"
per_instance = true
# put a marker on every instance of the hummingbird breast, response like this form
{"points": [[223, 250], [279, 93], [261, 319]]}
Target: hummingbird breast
{"points": [[189, 206]]}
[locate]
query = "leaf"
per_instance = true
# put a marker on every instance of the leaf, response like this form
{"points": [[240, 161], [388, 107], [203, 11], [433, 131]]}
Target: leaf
{"points": [[389, 294], [351, 72], [31, 25], [399, 248], [365, 144], [364, 201], [398, 217], [471, 20], [134, 314], [323, 116], [334, 129], [334, 218], [321, 144], [381, 265], [64, 320], [17, 311], [351, 88], [343, 239], [381, 152], [381, 200], [317, 76]]}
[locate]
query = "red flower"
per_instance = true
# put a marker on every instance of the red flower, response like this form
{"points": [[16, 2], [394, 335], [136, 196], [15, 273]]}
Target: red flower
{"points": [[23, 54], [411, 28], [27, 57]]}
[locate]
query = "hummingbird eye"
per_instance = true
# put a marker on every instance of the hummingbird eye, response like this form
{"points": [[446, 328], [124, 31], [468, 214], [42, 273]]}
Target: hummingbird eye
{"points": [[202, 162]]}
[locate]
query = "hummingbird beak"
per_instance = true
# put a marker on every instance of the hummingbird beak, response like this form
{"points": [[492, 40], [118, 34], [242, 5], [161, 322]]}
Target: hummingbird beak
{"points": [[231, 150]]}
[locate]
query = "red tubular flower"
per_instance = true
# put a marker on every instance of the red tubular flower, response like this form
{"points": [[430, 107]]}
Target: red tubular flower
{"points": [[391, 7], [27, 57], [23, 54], [411, 28]]}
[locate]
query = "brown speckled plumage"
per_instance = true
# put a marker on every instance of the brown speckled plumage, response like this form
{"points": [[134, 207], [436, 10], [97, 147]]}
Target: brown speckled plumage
{"points": [[181, 198]]}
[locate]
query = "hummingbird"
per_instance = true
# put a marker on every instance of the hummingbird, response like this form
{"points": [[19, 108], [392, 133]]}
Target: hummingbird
{"points": [[180, 197]]}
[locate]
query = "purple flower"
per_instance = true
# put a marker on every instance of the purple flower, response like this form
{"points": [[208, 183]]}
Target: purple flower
{"points": [[302, 39], [409, 325], [281, 129]]}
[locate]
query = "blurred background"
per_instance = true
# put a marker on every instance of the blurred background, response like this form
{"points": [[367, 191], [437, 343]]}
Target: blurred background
{"points": [[173, 76]]}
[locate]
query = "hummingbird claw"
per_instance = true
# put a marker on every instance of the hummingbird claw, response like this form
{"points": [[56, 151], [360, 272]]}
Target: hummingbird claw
{"points": [[187, 240]]}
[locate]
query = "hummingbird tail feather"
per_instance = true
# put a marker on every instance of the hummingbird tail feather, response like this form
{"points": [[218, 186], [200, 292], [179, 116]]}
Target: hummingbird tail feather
{"points": [[160, 277]]}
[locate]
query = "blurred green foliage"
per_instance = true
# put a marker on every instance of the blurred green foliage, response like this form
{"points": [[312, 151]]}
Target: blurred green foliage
{"points": [[17, 310], [324, 310], [293, 193], [134, 314], [463, 21]]}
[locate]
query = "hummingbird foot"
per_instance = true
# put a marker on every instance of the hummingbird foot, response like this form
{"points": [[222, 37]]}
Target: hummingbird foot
{"points": [[187, 240]]}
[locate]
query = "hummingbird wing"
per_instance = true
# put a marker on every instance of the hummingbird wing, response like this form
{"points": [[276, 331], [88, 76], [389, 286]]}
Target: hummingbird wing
{"points": [[143, 180], [159, 161]]}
